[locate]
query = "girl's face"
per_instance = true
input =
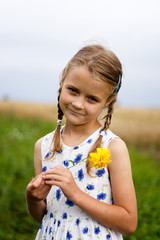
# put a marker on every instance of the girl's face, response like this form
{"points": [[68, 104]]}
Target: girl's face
{"points": [[82, 98]]}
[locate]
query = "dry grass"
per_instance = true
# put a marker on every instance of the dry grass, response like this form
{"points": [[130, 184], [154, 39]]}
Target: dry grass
{"points": [[136, 126], [29, 110]]}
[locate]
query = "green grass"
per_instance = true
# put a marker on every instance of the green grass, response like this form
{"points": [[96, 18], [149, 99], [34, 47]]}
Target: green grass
{"points": [[146, 175], [17, 139]]}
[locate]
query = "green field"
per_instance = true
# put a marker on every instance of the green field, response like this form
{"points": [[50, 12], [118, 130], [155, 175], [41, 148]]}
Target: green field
{"points": [[17, 138]]}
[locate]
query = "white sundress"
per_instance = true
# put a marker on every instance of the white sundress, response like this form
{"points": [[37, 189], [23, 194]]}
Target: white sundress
{"points": [[63, 220]]}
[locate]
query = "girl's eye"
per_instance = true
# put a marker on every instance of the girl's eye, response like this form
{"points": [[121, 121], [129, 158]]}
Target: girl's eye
{"points": [[73, 90], [92, 99]]}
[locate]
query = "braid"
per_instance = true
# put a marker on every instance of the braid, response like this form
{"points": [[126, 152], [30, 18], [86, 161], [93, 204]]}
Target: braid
{"points": [[56, 138], [60, 113], [107, 123], [109, 115]]}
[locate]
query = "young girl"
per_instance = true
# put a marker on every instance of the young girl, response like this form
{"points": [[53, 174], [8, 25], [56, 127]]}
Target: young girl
{"points": [[72, 198]]}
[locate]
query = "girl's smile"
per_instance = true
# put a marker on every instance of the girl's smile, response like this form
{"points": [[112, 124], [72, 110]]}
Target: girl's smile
{"points": [[76, 112], [82, 97]]}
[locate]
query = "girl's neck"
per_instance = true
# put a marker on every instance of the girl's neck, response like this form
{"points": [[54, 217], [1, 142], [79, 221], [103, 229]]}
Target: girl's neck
{"points": [[74, 135]]}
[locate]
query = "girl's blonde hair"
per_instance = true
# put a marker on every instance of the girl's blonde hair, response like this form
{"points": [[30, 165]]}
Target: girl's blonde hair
{"points": [[103, 65]]}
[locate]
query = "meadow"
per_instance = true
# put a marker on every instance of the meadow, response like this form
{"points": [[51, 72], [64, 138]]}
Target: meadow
{"points": [[21, 124]]}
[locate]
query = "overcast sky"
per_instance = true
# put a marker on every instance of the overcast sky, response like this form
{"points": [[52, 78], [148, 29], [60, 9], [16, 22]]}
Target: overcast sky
{"points": [[37, 38]]}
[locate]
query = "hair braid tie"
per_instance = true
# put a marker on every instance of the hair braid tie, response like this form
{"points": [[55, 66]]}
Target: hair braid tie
{"points": [[102, 133], [59, 122]]}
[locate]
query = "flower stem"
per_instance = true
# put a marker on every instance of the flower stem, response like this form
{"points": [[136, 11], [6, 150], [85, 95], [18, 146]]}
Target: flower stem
{"points": [[75, 163]]}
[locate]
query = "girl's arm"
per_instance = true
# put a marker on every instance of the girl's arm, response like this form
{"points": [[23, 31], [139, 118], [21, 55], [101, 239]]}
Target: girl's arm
{"points": [[120, 217], [37, 190]]}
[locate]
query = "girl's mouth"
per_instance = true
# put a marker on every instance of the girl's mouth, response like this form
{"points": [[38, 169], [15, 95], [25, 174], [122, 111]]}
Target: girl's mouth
{"points": [[75, 112]]}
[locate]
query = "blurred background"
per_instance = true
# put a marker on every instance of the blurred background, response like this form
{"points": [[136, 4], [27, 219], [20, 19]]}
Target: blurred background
{"points": [[37, 39]]}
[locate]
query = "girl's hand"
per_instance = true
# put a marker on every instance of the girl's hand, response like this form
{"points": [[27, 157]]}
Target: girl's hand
{"points": [[62, 178], [37, 190]]}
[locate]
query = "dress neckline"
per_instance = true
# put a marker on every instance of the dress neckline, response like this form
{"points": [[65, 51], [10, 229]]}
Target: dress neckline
{"points": [[83, 142]]}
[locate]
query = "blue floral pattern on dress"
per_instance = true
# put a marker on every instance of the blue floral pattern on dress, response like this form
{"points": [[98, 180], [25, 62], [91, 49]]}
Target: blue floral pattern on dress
{"points": [[100, 172], [76, 147], [40, 227], [97, 230], [101, 196], [63, 219], [69, 235], [59, 151], [110, 139], [50, 230], [85, 230], [58, 194], [48, 155], [66, 163], [108, 237], [64, 215], [78, 158], [80, 174], [59, 222], [44, 169], [90, 187], [69, 203], [89, 141], [46, 212], [77, 221]]}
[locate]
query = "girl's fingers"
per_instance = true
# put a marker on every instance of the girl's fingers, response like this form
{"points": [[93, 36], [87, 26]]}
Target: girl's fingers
{"points": [[46, 189], [55, 177], [40, 192], [34, 179], [57, 174], [56, 170], [62, 178], [55, 183], [35, 182]]}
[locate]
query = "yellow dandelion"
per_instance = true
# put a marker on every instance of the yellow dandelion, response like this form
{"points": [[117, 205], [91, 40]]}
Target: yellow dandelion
{"points": [[101, 158]]}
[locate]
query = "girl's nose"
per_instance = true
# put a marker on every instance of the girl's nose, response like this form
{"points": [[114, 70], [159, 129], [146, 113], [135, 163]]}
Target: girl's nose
{"points": [[79, 103]]}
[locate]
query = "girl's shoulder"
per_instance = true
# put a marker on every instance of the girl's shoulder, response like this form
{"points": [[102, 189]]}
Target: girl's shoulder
{"points": [[48, 137], [108, 137], [114, 142], [119, 153], [42, 140], [43, 143]]}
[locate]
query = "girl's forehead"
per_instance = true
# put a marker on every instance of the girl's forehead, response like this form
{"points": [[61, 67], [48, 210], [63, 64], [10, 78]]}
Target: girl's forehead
{"points": [[81, 78], [80, 73]]}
